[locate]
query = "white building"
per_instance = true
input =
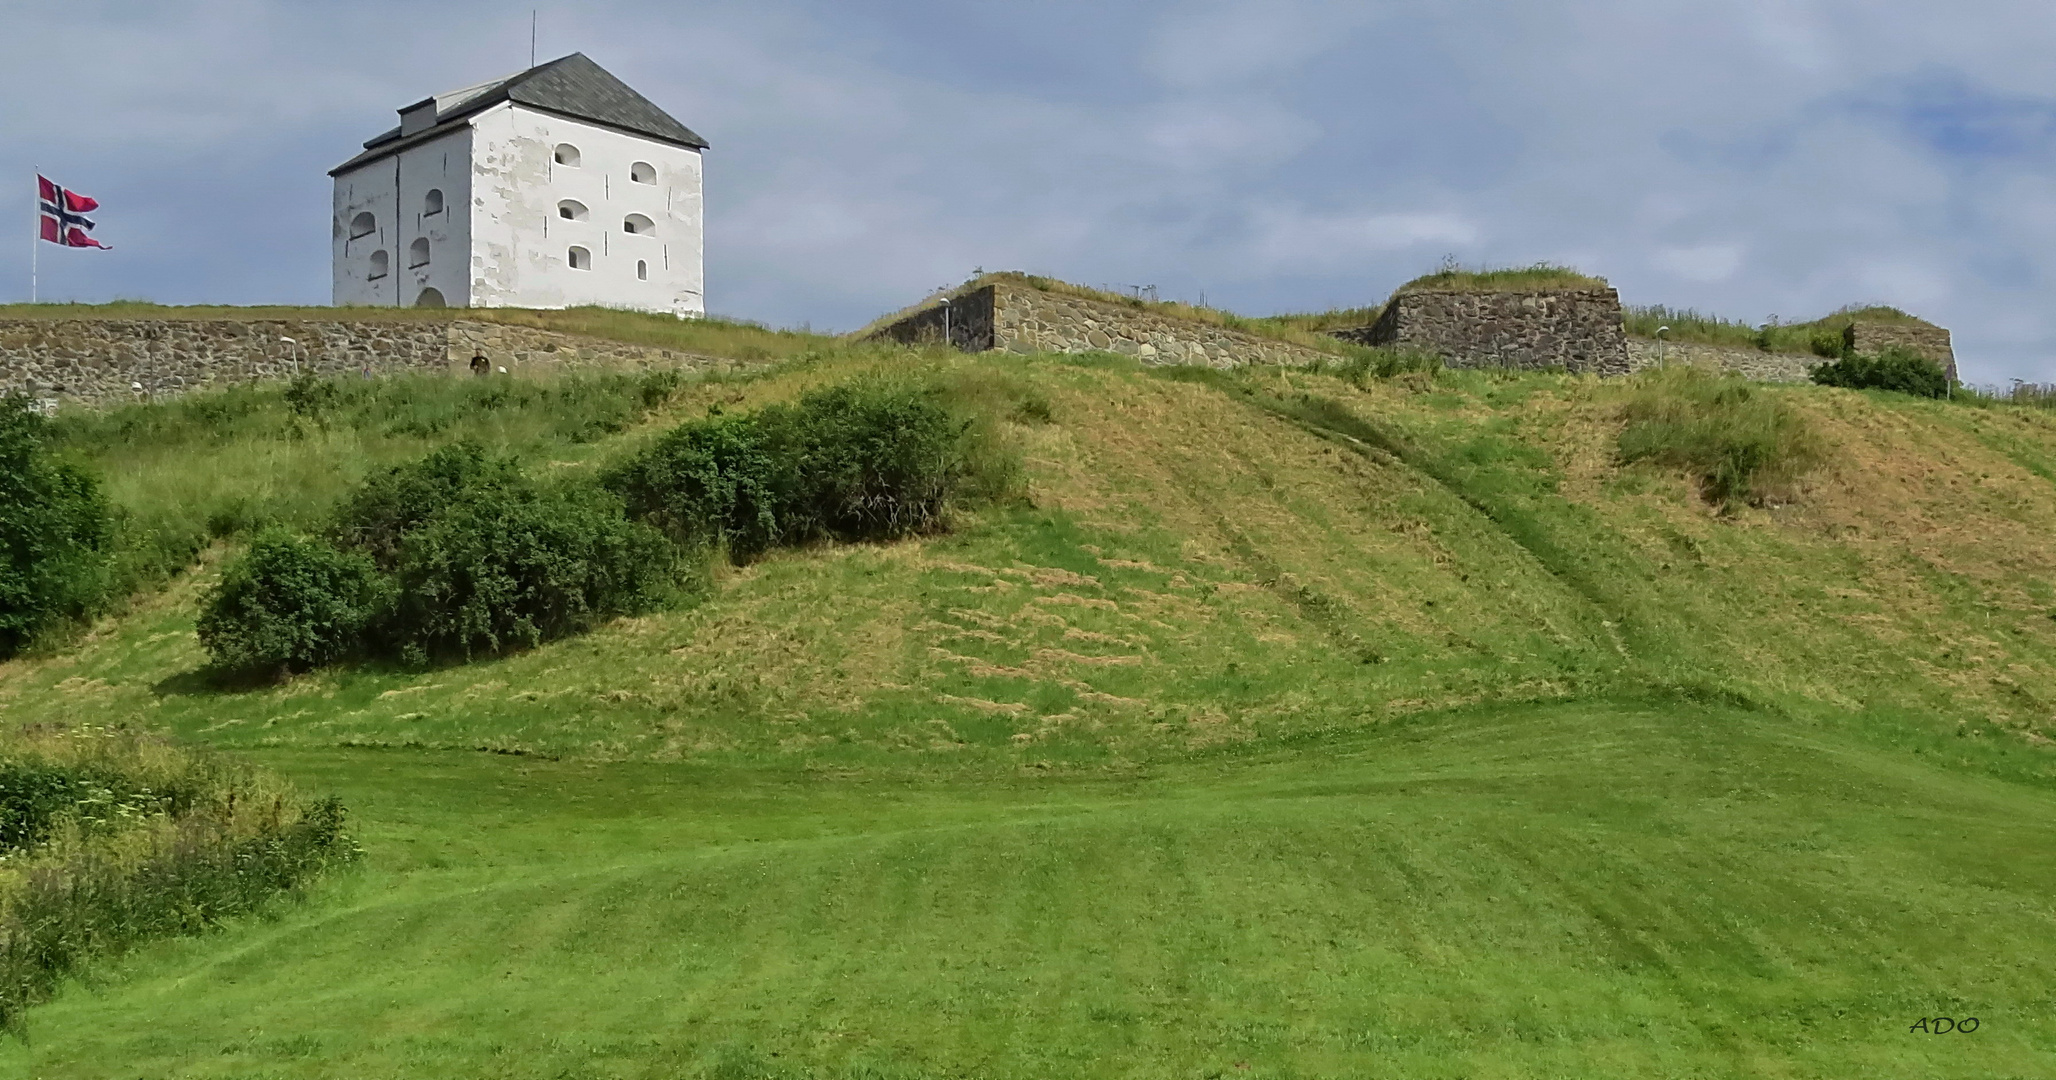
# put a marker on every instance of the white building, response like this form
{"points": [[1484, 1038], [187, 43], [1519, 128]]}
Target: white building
{"points": [[556, 187]]}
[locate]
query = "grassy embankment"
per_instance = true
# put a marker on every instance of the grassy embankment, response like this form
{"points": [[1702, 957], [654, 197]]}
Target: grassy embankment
{"points": [[1326, 729]]}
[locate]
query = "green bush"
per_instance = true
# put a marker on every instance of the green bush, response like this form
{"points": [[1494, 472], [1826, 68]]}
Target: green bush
{"points": [[873, 459], [715, 481], [1740, 444], [511, 567], [291, 604], [1895, 368], [54, 532], [377, 517]]}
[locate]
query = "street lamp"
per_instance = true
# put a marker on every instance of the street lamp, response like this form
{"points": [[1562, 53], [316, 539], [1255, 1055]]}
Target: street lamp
{"points": [[1660, 331], [945, 322]]}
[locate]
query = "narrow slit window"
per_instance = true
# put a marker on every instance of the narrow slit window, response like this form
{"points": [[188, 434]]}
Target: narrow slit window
{"points": [[642, 270], [580, 258]]}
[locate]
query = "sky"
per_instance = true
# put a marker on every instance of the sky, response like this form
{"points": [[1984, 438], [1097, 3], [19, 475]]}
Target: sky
{"points": [[1748, 158]]}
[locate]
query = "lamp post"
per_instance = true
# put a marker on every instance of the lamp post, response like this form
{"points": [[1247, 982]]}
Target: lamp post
{"points": [[1660, 331], [945, 323], [291, 354]]}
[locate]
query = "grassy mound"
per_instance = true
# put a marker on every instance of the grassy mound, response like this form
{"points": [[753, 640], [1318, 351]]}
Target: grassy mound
{"points": [[1822, 337], [1324, 723]]}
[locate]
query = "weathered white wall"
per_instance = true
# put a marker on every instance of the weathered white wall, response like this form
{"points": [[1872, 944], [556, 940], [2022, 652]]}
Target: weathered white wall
{"points": [[520, 246], [403, 182]]}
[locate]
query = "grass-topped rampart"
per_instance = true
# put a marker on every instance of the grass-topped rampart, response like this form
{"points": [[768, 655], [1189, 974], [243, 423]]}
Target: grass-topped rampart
{"points": [[708, 336], [1823, 337], [1538, 277]]}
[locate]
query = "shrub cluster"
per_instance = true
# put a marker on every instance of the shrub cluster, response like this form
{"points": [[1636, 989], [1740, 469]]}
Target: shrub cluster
{"points": [[114, 839], [457, 554], [461, 553], [1740, 444], [54, 530], [1895, 368], [870, 460]]}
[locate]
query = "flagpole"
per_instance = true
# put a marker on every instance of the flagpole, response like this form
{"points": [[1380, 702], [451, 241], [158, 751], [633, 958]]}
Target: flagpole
{"points": [[36, 238]]}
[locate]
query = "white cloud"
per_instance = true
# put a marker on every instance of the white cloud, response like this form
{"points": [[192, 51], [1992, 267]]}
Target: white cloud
{"points": [[1740, 156], [1701, 262]]}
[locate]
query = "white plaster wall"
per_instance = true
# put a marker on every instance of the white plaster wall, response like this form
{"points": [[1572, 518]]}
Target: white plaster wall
{"points": [[403, 181], [520, 246]]}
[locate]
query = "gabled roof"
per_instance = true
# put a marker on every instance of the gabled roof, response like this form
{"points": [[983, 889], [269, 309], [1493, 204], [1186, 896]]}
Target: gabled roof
{"points": [[571, 86]]}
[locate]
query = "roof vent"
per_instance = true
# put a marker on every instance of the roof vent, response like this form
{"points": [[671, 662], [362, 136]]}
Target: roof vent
{"points": [[419, 116]]}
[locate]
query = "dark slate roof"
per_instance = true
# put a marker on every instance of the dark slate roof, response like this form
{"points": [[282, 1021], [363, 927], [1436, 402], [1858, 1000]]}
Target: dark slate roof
{"points": [[572, 86]]}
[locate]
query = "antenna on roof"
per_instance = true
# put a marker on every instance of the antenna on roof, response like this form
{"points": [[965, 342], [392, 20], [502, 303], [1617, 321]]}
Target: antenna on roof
{"points": [[531, 37]]}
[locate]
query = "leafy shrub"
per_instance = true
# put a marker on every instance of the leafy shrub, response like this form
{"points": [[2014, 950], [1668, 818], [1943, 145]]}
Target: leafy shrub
{"points": [[1739, 443], [873, 460], [868, 460], [711, 482], [511, 567], [376, 518], [1828, 343], [54, 531], [1895, 368], [290, 604]]}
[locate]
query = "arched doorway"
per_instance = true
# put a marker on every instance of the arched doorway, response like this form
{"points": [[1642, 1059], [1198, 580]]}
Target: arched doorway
{"points": [[430, 297]]}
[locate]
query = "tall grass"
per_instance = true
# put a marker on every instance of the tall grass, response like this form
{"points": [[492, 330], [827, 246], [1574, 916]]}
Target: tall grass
{"points": [[109, 839], [1542, 275], [186, 472], [1822, 337], [1739, 443], [1293, 329]]}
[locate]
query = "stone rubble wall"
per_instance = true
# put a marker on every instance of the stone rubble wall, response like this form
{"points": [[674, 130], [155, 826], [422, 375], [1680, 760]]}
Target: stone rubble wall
{"points": [[1749, 363], [102, 362], [1573, 329], [1021, 319], [1933, 342], [1029, 320]]}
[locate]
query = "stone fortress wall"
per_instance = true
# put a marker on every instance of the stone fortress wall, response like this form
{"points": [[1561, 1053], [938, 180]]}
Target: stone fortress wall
{"points": [[1932, 342], [1018, 318], [1748, 363], [1573, 329], [105, 362]]}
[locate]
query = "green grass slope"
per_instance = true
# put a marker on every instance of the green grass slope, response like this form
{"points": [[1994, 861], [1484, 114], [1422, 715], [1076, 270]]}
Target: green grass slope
{"points": [[1296, 728]]}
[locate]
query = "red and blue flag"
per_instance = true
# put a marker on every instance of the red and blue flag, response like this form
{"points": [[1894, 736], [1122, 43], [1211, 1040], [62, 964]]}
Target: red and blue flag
{"points": [[63, 216]]}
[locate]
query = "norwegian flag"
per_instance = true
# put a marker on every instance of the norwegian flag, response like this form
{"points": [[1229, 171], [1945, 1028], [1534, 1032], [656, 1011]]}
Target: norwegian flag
{"points": [[63, 216]]}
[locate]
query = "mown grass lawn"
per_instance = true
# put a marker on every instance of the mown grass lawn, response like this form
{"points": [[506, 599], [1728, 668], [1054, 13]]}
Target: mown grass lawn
{"points": [[1631, 889]]}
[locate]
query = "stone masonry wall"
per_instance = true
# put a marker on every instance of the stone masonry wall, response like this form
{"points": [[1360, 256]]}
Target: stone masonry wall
{"points": [[112, 361], [1574, 329], [1932, 342], [1030, 320], [968, 319], [1021, 319], [1749, 363]]}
